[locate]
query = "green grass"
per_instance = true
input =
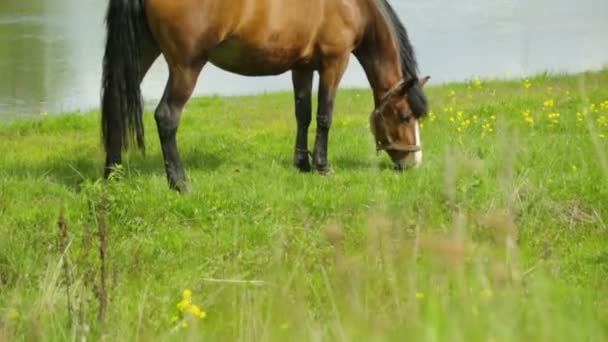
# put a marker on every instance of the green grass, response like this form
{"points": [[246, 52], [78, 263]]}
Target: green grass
{"points": [[501, 235]]}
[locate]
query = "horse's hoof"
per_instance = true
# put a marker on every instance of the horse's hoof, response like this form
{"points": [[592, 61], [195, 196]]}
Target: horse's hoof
{"points": [[181, 186], [303, 166], [324, 170], [301, 160]]}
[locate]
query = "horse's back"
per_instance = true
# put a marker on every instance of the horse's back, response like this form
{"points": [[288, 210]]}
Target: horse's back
{"points": [[256, 37]]}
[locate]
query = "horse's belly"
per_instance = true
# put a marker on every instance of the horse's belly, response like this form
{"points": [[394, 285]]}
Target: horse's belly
{"points": [[256, 59]]}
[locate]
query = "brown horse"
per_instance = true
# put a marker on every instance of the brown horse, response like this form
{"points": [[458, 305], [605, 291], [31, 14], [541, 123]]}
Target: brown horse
{"points": [[260, 37]]}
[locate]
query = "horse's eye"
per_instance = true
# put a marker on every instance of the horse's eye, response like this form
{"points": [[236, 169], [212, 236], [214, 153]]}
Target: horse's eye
{"points": [[404, 118]]}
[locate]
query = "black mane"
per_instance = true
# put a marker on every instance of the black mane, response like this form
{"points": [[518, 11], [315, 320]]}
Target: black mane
{"points": [[415, 95]]}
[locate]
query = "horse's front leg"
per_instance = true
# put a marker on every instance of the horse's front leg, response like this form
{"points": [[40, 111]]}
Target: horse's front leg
{"points": [[330, 75], [302, 89], [182, 81]]}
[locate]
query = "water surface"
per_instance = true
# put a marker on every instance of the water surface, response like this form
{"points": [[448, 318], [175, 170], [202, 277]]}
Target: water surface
{"points": [[51, 50]]}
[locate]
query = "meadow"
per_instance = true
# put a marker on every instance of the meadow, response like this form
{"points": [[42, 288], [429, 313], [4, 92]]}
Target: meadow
{"points": [[501, 234]]}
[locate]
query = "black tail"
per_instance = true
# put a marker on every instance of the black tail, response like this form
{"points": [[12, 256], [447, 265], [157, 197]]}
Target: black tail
{"points": [[121, 103]]}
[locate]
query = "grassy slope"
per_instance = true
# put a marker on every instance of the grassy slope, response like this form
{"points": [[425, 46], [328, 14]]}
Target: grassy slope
{"points": [[501, 234]]}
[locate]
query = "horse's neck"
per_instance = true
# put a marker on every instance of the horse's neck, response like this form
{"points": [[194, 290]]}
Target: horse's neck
{"points": [[379, 54]]}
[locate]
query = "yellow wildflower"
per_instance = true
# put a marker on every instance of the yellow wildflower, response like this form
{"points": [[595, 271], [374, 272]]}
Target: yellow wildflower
{"points": [[419, 295], [553, 117], [451, 119], [527, 83], [452, 93], [187, 294], [487, 294], [477, 82], [574, 168], [14, 315], [459, 114], [197, 312], [174, 319], [602, 136], [493, 117], [183, 305], [184, 325], [593, 108], [549, 104]]}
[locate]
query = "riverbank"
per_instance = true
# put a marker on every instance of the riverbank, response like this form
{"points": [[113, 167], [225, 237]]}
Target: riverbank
{"points": [[501, 234]]}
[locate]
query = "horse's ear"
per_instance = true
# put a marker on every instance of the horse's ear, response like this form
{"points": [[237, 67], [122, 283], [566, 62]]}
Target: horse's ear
{"points": [[423, 81], [405, 86]]}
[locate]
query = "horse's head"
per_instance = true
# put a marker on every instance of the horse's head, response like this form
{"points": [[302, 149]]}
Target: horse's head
{"points": [[394, 123]]}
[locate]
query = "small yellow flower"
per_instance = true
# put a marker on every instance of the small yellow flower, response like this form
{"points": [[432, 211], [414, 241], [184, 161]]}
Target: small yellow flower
{"points": [[459, 114], [477, 82], [183, 305], [187, 294], [419, 295], [451, 119], [452, 93], [285, 326], [527, 83], [593, 108], [487, 294], [174, 319], [184, 325], [574, 168], [549, 104], [14, 315], [197, 312], [493, 117], [602, 136]]}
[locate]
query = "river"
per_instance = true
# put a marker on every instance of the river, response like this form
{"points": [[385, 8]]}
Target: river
{"points": [[50, 50]]}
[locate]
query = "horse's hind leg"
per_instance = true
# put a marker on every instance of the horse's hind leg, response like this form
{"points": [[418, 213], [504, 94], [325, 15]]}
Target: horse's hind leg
{"points": [[182, 80], [302, 88]]}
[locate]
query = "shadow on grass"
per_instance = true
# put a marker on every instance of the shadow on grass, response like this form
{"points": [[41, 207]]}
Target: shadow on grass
{"points": [[76, 168]]}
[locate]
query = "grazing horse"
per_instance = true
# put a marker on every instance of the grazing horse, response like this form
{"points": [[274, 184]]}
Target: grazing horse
{"points": [[254, 38]]}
